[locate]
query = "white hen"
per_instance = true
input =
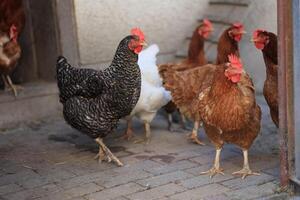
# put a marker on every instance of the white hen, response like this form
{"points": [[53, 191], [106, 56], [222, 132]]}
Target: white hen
{"points": [[153, 95]]}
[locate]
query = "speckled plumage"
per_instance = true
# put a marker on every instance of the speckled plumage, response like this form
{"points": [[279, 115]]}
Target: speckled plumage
{"points": [[94, 101]]}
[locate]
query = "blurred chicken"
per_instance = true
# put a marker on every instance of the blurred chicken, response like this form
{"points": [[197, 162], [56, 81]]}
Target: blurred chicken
{"points": [[153, 94], [12, 21], [94, 101], [267, 43], [223, 98], [228, 42], [196, 58]]}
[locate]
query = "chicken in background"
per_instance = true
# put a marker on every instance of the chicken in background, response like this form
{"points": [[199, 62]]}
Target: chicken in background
{"points": [[153, 94], [196, 58], [228, 42], [267, 43], [12, 21], [223, 98], [94, 101]]}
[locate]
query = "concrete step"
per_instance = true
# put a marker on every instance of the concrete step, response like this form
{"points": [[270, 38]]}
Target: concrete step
{"points": [[37, 100]]}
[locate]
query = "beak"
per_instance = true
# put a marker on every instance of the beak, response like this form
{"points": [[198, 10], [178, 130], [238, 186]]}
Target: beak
{"points": [[253, 40], [242, 32], [144, 44]]}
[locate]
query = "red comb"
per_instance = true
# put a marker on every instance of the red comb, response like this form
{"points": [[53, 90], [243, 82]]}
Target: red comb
{"points": [[235, 61], [258, 31], [207, 22], [238, 25], [13, 34], [138, 32]]}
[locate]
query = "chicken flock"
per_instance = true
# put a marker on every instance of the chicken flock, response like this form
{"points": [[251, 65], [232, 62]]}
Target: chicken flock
{"points": [[219, 96]]}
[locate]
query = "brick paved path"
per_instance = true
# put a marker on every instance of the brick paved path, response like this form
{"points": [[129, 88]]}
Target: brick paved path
{"points": [[49, 160]]}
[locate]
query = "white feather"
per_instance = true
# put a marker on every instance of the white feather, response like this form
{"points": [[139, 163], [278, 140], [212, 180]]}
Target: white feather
{"points": [[153, 95]]}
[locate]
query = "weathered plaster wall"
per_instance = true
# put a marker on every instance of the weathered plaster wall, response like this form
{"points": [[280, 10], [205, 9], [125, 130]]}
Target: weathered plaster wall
{"points": [[103, 23]]}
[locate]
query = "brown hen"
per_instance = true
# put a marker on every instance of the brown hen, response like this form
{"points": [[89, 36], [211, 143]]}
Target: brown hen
{"points": [[267, 42], [12, 20], [213, 91], [196, 58], [228, 42]]}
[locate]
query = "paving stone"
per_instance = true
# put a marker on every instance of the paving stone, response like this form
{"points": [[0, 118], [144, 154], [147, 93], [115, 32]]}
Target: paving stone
{"points": [[88, 178], [249, 181], [5, 189], [86, 166], [228, 167], [216, 197], [109, 182], [164, 179], [253, 192], [209, 157], [144, 165], [281, 196], [19, 176], [25, 195], [116, 192], [83, 190], [204, 180], [180, 165], [275, 171], [158, 192], [201, 192], [56, 174], [34, 182]]}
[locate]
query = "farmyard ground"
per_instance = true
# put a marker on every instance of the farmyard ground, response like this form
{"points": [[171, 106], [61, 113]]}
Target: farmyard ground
{"points": [[49, 160]]}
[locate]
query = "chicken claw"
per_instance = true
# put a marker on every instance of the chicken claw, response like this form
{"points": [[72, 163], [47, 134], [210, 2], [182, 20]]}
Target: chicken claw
{"points": [[104, 151], [195, 139], [246, 172], [193, 136], [213, 171], [216, 168], [101, 155], [148, 135], [9, 86]]}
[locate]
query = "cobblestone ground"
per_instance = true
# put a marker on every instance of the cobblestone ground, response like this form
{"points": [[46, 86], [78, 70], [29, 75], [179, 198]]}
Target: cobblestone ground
{"points": [[49, 160]]}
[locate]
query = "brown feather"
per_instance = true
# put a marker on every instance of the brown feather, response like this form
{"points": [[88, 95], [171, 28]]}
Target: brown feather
{"points": [[226, 45], [270, 90]]}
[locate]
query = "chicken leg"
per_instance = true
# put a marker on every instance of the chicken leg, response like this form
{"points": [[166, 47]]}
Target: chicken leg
{"points": [[246, 171], [8, 84], [183, 122], [105, 153], [216, 168], [148, 134], [170, 122], [129, 133], [194, 135]]}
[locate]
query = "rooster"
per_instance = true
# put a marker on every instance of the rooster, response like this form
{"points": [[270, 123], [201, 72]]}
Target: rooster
{"points": [[196, 58], [94, 101], [12, 21], [213, 91], [267, 43], [228, 42], [153, 94]]}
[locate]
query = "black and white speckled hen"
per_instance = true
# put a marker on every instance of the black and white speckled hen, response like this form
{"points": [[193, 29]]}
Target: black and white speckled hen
{"points": [[94, 101]]}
